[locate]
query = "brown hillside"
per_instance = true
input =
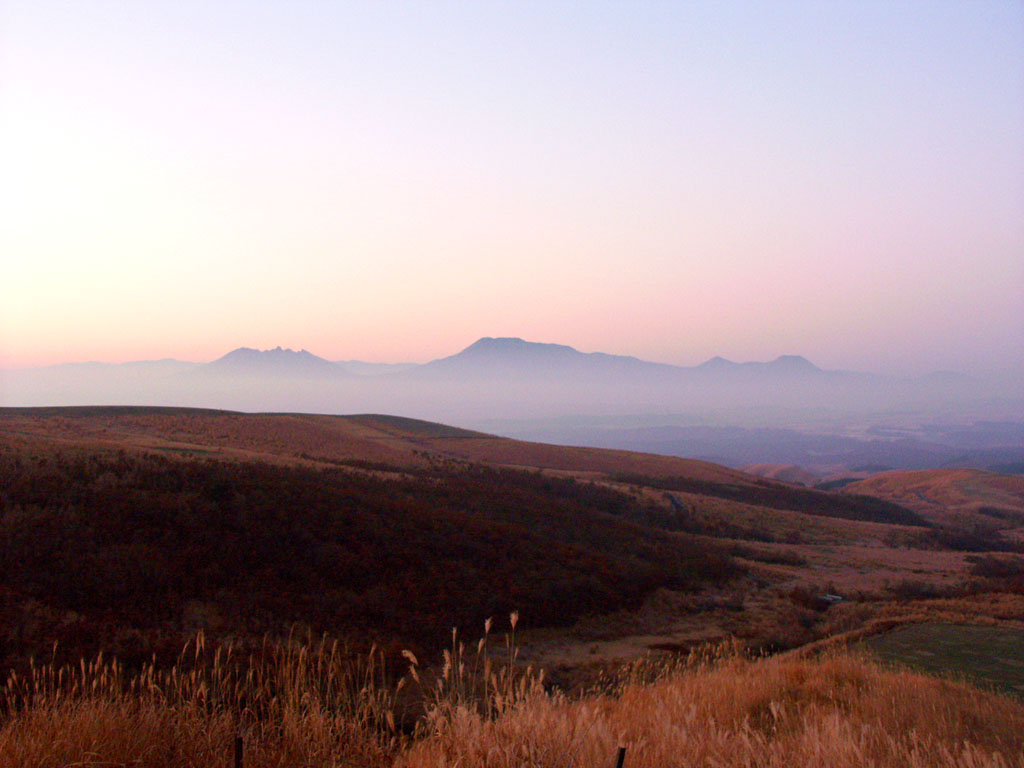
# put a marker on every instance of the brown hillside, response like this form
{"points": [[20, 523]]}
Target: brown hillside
{"points": [[951, 495], [304, 437], [661, 553]]}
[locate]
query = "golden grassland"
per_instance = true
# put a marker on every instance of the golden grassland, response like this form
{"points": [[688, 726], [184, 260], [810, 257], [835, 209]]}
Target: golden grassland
{"points": [[311, 703], [949, 495], [309, 438]]}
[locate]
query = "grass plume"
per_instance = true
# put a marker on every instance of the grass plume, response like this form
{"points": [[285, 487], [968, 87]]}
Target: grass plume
{"points": [[309, 701]]}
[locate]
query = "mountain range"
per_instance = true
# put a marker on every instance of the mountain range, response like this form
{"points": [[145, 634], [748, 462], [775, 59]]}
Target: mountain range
{"points": [[498, 358], [486, 358], [785, 411]]}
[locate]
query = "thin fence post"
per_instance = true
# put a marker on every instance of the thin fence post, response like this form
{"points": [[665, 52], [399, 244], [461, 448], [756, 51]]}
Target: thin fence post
{"points": [[238, 751], [621, 758]]}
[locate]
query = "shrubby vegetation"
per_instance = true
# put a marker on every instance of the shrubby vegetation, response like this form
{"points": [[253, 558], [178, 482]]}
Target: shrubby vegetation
{"points": [[967, 537], [124, 551], [765, 493], [1004, 572]]}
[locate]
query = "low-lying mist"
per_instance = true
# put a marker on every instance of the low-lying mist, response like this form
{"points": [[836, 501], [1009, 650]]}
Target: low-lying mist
{"points": [[787, 411]]}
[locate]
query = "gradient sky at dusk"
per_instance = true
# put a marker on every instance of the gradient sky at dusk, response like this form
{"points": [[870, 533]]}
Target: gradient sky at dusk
{"points": [[390, 181]]}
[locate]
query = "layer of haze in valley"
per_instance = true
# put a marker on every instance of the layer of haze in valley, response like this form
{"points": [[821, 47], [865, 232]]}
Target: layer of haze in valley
{"points": [[784, 412]]}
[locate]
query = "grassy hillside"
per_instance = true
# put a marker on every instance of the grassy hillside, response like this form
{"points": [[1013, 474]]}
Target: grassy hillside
{"points": [[944, 495], [126, 550], [309, 438], [124, 528], [127, 529], [969, 509]]}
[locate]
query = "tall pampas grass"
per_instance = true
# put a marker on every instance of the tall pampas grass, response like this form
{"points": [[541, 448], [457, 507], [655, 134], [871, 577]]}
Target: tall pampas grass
{"points": [[721, 709], [296, 702], [309, 701]]}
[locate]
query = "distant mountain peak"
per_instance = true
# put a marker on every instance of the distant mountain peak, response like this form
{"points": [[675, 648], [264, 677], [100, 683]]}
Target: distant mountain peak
{"points": [[506, 342], [496, 342], [509, 357], [793, 363], [512, 345], [280, 360], [277, 352]]}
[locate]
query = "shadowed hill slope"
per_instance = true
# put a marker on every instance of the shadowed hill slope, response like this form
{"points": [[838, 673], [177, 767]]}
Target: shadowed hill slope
{"points": [[128, 550]]}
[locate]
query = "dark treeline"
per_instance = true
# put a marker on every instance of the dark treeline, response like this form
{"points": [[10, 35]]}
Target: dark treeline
{"points": [[765, 493], [114, 549]]}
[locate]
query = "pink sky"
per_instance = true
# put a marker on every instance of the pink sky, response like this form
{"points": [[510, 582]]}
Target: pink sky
{"points": [[379, 183]]}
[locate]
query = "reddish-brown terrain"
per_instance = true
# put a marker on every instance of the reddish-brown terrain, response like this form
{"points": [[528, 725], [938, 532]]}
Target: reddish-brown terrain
{"points": [[128, 530], [944, 494], [393, 440], [791, 544]]}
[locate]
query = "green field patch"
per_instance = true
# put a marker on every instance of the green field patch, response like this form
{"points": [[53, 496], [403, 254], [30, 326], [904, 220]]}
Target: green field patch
{"points": [[989, 657]]}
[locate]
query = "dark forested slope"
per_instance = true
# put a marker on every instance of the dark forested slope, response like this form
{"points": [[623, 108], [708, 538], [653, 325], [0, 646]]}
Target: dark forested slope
{"points": [[117, 549]]}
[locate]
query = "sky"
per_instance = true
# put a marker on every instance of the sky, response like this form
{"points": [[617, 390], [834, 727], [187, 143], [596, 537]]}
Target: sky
{"points": [[390, 181]]}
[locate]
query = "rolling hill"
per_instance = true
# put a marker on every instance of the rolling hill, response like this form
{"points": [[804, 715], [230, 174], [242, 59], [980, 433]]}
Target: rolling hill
{"points": [[396, 441], [123, 527], [127, 528], [951, 495]]}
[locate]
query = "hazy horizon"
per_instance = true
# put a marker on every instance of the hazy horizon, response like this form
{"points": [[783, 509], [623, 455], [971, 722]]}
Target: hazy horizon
{"points": [[402, 363], [387, 183]]}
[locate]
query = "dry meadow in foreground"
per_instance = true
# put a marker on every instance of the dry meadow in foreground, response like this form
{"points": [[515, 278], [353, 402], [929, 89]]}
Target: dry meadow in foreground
{"points": [[128, 530], [313, 704]]}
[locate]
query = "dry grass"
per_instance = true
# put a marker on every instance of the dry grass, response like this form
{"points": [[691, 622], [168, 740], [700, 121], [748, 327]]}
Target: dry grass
{"points": [[946, 495], [286, 437], [296, 704], [836, 712], [312, 704]]}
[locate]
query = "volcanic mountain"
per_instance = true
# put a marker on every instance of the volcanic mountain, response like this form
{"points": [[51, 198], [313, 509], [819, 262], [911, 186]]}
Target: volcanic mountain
{"points": [[514, 357], [275, 362]]}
